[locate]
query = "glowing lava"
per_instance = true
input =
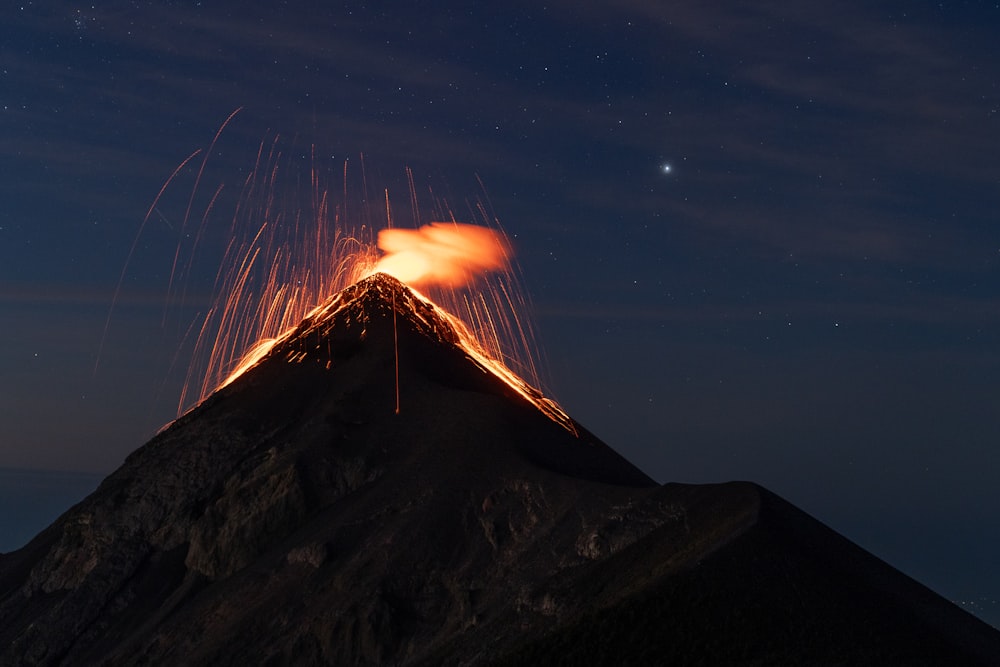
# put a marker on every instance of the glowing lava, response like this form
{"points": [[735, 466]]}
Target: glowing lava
{"points": [[449, 255], [284, 260]]}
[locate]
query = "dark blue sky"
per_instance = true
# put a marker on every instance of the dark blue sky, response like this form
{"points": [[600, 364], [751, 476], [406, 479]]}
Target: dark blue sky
{"points": [[808, 299]]}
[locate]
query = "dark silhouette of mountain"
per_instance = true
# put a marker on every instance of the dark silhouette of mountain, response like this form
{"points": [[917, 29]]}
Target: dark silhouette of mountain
{"points": [[295, 518]]}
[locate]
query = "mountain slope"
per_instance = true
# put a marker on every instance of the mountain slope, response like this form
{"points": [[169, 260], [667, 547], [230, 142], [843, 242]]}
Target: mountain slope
{"points": [[294, 518]]}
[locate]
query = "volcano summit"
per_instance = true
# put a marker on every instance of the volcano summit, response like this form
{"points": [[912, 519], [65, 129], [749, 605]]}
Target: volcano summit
{"points": [[296, 517]]}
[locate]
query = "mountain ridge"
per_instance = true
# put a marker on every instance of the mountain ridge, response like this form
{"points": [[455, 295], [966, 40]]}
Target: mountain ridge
{"points": [[295, 518]]}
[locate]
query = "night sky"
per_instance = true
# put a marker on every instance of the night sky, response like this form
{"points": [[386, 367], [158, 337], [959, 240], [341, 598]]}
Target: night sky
{"points": [[761, 239]]}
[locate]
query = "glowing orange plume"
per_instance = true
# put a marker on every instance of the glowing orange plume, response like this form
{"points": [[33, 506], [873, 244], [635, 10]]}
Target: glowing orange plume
{"points": [[446, 254]]}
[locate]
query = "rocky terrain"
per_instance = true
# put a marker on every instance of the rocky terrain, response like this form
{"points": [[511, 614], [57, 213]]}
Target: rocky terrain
{"points": [[295, 518]]}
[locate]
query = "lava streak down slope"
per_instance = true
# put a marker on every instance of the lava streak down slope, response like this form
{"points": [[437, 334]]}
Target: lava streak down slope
{"points": [[295, 517]]}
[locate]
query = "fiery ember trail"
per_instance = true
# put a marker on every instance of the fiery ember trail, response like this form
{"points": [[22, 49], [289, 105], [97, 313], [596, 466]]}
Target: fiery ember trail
{"points": [[288, 252]]}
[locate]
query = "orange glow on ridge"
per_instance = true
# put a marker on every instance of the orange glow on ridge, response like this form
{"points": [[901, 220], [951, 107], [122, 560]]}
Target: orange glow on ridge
{"points": [[283, 260]]}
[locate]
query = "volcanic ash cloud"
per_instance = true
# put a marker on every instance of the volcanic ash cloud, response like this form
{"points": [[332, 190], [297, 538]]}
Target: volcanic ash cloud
{"points": [[441, 253]]}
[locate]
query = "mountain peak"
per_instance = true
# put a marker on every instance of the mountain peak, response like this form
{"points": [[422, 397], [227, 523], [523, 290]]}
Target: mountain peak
{"points": [[379, 310], [371, 492], [363, 308], [412, 366]]}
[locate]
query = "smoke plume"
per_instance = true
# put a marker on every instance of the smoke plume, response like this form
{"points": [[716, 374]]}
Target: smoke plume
{"points": [[444, 254]]}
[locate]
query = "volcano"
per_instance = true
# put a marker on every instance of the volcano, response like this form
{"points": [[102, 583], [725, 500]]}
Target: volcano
{"points": [[297, 516]]}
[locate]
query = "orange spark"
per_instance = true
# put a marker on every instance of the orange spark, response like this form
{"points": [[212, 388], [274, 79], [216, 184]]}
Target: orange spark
{"points": [[288, 251]]}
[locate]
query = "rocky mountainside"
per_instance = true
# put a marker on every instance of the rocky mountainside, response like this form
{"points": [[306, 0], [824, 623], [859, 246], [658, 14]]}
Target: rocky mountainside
{"points": [[295, 518]]}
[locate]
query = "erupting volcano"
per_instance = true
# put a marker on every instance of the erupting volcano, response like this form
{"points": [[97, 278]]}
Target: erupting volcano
{"points": [[448, 255], [293, 517], [375, 485], [282, 263]]}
